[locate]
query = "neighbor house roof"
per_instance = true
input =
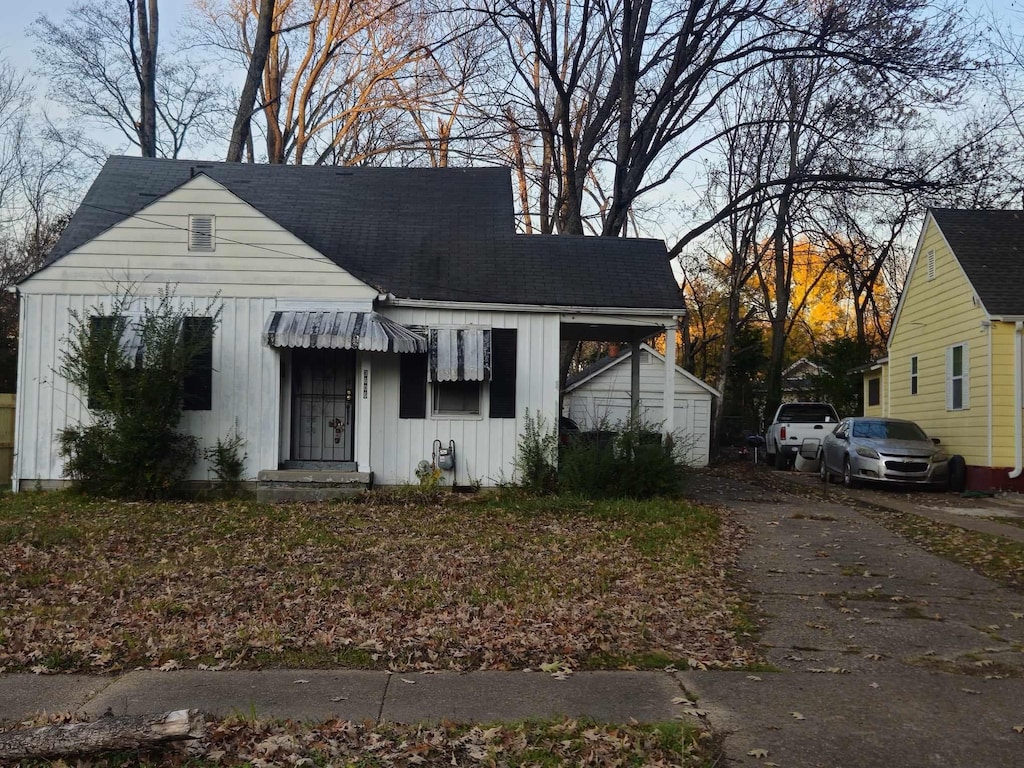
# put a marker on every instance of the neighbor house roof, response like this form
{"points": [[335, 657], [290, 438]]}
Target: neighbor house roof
{"points": [[598, 367], [990, 247], [418, 233]]}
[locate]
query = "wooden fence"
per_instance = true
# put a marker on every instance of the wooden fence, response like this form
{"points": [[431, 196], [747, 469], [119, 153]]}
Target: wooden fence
{"points": [[6, 440]]}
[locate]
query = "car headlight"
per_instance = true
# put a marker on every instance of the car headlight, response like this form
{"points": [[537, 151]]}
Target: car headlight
{"points": [[939, 457], [867, 453]]}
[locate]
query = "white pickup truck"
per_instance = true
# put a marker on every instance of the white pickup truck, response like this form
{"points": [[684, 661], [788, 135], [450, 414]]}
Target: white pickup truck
{"points": [[794, 423]]}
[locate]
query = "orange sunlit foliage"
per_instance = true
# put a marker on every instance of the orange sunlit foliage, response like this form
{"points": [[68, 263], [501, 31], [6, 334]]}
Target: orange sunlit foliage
{"points": [[822, 304], [659, 344]]}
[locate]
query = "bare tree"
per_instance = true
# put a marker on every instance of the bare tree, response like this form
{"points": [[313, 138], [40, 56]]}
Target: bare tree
{"points": [[625, 90], [240, 132], [147, 21], [37, 185], [14, 102], [102, 64], [336, 73]]}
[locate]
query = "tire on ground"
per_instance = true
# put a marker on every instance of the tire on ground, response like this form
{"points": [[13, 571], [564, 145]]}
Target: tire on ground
{"points": [[957, 473], [781, 460]]}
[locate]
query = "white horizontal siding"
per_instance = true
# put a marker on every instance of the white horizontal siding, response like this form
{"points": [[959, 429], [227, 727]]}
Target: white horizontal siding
{"points": [[254, 256], [484, 447], [604, 401], [246, 389]]}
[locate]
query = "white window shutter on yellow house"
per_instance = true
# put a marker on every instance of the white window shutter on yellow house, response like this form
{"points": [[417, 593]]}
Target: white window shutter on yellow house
{"points": [[957, 378]]}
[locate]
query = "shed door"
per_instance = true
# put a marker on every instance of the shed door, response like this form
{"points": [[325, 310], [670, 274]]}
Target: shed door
{"points": [[323, 382]]}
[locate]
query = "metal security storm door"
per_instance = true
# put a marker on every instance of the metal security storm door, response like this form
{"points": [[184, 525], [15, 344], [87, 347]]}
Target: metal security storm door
{"points": [[323, 395]]}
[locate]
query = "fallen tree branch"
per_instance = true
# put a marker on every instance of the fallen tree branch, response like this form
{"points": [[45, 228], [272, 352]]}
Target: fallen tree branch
{"points": [[104, 735]]}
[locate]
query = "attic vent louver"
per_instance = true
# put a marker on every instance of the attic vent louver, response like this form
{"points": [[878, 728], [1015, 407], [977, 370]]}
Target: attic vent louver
{"points": [[931, 265], [201, 233]]}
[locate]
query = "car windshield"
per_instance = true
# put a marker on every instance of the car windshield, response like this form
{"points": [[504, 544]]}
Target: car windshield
{"points": [[807, 414], [888, 430]]}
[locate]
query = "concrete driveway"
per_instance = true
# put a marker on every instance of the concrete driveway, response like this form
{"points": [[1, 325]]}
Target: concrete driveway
{"points": [[881, 654]]}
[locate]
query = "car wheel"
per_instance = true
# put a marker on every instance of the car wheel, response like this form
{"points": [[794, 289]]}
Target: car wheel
{"points": [[823, 473], [957, 473], [848, 479], [781, 462]]}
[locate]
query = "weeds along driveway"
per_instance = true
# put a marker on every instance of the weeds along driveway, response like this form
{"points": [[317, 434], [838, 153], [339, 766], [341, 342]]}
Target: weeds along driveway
{"points": [[880, 652], [394, 581]]}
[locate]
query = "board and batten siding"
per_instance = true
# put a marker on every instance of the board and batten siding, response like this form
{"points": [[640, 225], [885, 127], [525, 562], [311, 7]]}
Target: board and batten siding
{"points": [[604, 402], [254, 257], [485, 448], [256, 267], [246, 385], [935, 315]]}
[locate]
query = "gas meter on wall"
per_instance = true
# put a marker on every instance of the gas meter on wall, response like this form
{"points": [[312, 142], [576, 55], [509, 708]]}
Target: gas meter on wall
{"points": [[444, 458]]}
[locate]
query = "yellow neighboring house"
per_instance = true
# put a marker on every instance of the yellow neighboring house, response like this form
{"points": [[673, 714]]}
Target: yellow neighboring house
{"points": [[954, 360]]}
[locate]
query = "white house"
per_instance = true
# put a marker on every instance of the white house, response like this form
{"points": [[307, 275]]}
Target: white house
{"points": [[368, 314], [601, 394]]}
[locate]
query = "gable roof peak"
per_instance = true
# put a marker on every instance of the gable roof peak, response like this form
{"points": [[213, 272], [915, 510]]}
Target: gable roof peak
{"points": [[439, 234], [989, 245]]}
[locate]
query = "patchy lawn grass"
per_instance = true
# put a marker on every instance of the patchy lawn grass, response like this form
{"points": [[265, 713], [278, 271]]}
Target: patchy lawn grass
{"points": [[1015, 521], [388, 581], [537, 743], [994, 557]]}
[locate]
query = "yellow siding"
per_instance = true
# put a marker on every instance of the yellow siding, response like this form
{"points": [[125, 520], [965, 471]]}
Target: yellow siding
{"points": [[934, 315], [254, 256], [882, 376], [1003, 386]]}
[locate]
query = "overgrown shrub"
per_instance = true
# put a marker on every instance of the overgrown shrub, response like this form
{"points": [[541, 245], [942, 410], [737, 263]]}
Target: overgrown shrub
{"points": [[637, 462], [131, 447], [537, 456], [227, 460]]}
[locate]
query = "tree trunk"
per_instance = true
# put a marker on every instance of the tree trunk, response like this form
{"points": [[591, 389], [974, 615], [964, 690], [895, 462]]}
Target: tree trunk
{"points": [[105, 735], [148, 20], [781, 248], [258, 60]]}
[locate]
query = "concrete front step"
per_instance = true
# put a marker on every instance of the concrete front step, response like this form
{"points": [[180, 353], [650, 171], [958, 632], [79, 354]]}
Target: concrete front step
{"points": [[279, 485]]}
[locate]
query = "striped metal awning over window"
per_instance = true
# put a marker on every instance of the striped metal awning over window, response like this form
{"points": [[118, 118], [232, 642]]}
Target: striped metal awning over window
{"points": [[329, 329], [460, 354]]}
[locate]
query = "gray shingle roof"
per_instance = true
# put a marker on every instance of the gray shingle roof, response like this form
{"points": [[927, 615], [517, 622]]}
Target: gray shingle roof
{"points": [[990, 246], [421, 233]]}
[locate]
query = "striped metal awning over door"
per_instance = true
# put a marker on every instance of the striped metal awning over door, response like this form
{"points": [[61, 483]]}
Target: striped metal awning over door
{"points": [[329, 329]]}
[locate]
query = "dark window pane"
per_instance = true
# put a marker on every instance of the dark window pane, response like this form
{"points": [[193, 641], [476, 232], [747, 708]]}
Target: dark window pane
{"points": [[197, 335], [103, 338], [456, 397], [874, 391]]}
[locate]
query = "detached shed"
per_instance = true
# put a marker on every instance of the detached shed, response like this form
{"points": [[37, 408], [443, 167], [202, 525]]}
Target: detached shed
{"points": [[600, 395]]}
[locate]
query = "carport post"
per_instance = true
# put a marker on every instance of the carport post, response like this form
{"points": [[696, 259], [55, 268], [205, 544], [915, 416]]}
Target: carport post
{"points": [[634, 379], [670, 377]]}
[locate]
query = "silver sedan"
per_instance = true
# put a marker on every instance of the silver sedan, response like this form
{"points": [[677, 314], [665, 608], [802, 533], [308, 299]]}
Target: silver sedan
{"points": [[882, 450]]}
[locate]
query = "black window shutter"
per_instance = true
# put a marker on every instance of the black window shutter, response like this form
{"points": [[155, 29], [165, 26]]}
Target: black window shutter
{"points": [[198, 382], [503, 373], [412, 396]]}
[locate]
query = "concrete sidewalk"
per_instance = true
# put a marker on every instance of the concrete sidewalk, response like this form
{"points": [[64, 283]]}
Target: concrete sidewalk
{"points": [[319, 695]]}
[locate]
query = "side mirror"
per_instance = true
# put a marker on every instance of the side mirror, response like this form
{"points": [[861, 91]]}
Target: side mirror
{"points": [[755, 441]]}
